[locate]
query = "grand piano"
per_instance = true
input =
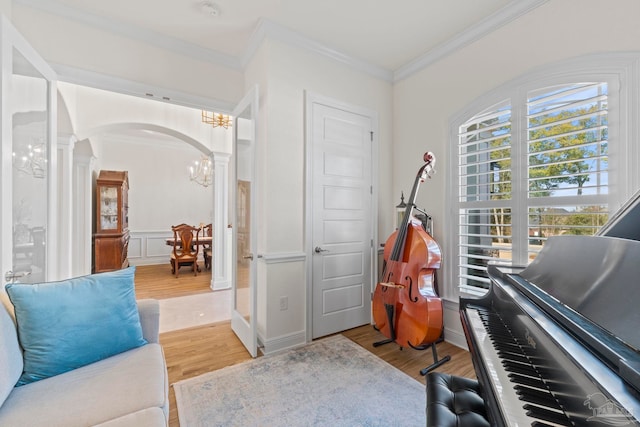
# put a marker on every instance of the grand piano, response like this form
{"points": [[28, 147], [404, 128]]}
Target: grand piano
{"points": [[557, 343]]}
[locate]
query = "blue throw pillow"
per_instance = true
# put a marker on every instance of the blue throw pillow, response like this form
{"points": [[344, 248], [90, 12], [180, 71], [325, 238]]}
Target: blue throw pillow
{"points": [[72, 323]]}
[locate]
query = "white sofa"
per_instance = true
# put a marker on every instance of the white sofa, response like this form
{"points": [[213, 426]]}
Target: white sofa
{"points": [[128, 389]]}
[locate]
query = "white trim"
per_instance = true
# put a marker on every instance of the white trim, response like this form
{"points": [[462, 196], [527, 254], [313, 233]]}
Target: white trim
{"points": [[310, 99], [281, 343], [618, 70], [269, 30], [114, 84], [83, 165], [221, 263], [126, 30], [509, 13], [247, 331], [11, 41], [283, 257], [66, 217], [453, 336]]}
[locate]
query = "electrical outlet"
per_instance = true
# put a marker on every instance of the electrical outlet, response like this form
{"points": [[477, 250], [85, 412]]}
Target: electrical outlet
{"points": [[284, 303]]}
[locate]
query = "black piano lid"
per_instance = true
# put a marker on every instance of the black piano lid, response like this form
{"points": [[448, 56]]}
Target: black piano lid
{"points": [[625, 223], [593, 282]]}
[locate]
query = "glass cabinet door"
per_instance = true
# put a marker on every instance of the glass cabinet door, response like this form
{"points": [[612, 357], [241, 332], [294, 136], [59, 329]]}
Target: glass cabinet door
{"points": [[108, 209]]}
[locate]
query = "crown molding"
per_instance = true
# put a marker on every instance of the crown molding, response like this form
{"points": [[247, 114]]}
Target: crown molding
{"points": [[496, 20], [123, 29], [102, 81], [269, 30]]}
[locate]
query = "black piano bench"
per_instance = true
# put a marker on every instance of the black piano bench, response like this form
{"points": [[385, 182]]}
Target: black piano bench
{"points": [[454, 401]]}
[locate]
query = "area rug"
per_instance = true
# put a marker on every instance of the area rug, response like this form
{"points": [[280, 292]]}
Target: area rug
{"points": [[329, 382]]}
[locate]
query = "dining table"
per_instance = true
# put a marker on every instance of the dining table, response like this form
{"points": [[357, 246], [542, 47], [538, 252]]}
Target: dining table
{"points": [[202, 240]]}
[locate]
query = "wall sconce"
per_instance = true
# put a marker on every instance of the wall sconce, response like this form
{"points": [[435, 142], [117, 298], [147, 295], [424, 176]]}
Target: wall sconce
{"points": [[400, 209]]}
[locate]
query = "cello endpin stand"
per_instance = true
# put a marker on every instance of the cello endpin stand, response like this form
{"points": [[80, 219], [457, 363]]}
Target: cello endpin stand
{"points": [[383, 342]]}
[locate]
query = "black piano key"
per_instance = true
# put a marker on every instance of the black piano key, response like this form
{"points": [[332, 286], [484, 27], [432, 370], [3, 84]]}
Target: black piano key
{"points": [[515, 357], [527, 380], [520, 368], [508, 347], [547, 415], [540, 424], [539, 397]]}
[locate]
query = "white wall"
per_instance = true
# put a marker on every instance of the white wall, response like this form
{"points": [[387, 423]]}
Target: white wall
{"points": [[6, 8], [94, 112], [160, 192], [414, 113], [284, 74], [63, 42], [424, 103]]}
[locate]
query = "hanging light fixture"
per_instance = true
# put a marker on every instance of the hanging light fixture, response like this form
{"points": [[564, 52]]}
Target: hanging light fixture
{"points": [[216, 119], [32, 162], [202, 171]]}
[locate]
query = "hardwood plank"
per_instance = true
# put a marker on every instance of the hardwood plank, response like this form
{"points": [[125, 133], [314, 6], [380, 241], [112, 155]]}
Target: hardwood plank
{"points": [[194, 351], [156, 281]]}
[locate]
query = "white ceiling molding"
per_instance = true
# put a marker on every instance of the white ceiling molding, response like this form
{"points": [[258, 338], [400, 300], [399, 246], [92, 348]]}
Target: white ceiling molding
{"points": [[128, 87], [269, 30], [150, 37], [502, 17]]}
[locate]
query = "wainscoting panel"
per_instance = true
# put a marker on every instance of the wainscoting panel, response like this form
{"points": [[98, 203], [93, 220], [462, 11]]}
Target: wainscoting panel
{"points": [[149, 247], [134, 250]]}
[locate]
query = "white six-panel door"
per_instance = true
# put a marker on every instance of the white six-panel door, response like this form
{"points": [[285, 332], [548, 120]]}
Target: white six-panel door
{"points": [[342, 238]]}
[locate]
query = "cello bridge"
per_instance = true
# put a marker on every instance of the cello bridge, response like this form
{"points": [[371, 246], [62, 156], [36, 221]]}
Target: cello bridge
{"points": [[391, 285]]}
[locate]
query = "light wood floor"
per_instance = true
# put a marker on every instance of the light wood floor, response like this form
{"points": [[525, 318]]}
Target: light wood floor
{"points": [[194, 351]]}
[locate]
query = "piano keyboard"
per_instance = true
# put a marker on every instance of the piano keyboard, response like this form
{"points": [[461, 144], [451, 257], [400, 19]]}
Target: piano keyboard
{"points": [[523, 396]]}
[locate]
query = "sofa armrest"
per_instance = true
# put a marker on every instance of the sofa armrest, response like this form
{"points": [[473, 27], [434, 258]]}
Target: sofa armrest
{"points": [[149, 310]]}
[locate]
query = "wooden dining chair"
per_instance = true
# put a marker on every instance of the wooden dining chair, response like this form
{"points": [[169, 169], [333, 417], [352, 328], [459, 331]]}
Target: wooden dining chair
{"points": [[207, 252], [185, 251]]}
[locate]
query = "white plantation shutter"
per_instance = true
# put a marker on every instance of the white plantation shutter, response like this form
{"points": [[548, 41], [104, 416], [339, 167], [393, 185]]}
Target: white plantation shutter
{"points": [[517, 187], [484, 190]]}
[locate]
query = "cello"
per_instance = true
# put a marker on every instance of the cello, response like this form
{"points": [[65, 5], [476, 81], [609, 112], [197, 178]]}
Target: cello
{"points": [[406, 307]]}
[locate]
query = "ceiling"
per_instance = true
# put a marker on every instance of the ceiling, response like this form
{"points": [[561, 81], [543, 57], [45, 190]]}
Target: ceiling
{"points": [[383, 34]]}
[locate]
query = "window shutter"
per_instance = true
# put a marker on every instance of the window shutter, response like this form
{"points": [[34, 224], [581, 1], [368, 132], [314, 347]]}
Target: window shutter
{"points": [[564, 178], [484, 193]]}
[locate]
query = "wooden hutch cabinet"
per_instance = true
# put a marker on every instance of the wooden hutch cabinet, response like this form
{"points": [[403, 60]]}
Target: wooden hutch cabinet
{"points": [[111, 238]]}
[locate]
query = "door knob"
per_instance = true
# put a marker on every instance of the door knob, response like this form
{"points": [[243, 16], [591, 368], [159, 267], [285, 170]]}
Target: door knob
{"points": [[250, 256], [318, 250]]}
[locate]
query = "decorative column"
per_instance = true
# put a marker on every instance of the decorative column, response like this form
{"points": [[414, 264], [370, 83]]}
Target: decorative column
{"points": [[65, 203], [83, 169], [221, 262]]}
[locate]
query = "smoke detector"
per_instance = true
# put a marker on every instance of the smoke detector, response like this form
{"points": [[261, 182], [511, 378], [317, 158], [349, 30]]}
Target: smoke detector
{"points": [[210, 8]]}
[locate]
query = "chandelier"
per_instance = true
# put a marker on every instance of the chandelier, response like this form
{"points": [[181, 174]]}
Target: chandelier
{"points": [[202, 171], [216, 119], [31, 162]]}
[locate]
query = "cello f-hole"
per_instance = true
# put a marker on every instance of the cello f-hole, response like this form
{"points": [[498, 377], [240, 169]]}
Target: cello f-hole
{"points": [[411, 297]]}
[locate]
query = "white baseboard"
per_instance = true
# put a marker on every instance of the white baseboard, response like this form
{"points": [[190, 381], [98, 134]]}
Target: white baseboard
{"points": [[281, 343]]}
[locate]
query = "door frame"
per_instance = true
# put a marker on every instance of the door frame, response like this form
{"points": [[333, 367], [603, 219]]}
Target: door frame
{"points": [[247, 332], [11, 38], [310, 99]]}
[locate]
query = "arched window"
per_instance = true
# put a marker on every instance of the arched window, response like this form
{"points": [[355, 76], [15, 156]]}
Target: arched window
{"points": [[546, 159]]}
